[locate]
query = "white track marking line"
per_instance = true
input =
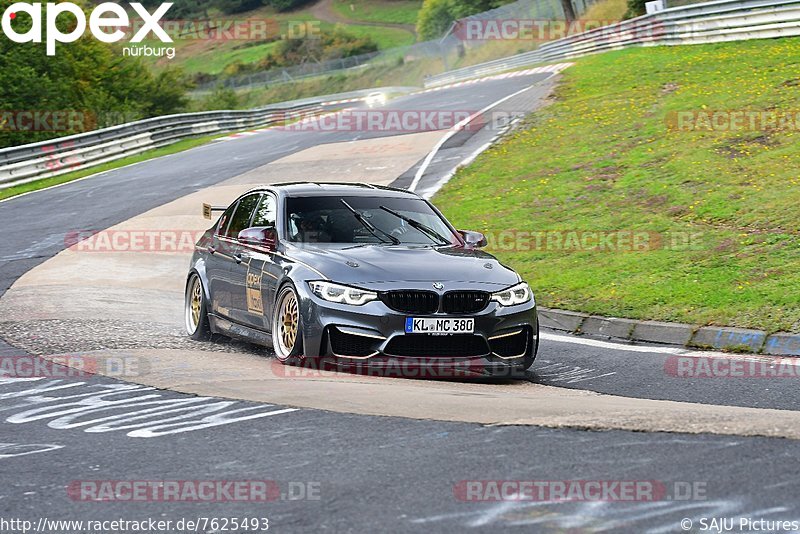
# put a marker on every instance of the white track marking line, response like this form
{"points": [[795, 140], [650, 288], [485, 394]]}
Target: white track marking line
{"points": [[428, 194], [611, 345], [552, 69], [558, 67], [783, 360], [454, 130]]}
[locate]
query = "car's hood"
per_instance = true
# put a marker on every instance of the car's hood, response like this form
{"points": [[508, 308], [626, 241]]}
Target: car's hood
{"points": [[380, 265]]}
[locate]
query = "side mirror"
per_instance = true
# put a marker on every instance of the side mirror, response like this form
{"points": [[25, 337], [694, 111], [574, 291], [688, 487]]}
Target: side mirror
{"points": [[473, 239], [259, 236]]}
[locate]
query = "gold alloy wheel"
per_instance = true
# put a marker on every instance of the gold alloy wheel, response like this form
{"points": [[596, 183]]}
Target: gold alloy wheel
{"points": [[196, 302], [288, 323], [194, 305]]}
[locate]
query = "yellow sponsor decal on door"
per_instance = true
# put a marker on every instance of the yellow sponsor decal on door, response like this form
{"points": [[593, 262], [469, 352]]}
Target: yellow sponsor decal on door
{"points": [[255, 304]]}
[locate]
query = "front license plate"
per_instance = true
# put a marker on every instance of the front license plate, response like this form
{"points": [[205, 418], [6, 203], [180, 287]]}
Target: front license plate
{"points": [[428, 325]]}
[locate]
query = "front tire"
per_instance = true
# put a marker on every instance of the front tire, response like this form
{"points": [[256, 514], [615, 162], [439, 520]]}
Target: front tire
{"points": [[287, 339], [196, 312]]}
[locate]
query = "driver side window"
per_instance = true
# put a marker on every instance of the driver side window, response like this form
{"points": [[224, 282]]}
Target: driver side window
{"points": [[224, 220], [266, 212], [242, 215]]}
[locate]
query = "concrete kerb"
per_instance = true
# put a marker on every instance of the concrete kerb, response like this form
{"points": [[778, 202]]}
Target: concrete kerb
{"points": [[678, 334]]}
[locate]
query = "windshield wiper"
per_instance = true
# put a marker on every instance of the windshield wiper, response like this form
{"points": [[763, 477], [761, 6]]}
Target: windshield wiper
{"points": [[369, 226], [431, 233]]}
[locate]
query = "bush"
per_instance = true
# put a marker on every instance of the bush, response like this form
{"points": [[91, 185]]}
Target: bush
{"points": [[434, 19], [635, 8], [191, 8], [221, 98], [239, 6], [335, 44], [436, 16], [286, 5]]}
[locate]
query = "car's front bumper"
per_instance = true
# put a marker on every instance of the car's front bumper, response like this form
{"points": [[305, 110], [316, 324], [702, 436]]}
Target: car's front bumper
{"points": [[374, 335]]}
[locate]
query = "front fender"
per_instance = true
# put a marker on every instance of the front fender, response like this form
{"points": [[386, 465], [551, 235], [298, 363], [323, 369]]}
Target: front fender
{"points": [[198, 265]]}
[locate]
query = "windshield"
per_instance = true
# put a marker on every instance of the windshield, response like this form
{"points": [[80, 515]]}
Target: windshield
{"points": [[330, 220]]}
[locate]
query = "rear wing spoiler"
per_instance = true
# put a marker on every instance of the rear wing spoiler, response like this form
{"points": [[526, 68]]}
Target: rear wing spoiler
{"points": [[208, 209]]}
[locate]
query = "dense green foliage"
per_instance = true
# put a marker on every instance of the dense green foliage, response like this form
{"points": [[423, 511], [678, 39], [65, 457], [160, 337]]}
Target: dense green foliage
{"points": [[635, 8], [220, 98], [87, 77], [436, 16], [328, 45]]}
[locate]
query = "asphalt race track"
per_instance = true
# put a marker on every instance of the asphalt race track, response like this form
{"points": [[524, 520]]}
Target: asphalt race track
{"points": [[359, 455]]}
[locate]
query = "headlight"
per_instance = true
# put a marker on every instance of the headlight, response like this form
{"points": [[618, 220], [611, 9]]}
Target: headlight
{"points": [[342, 294], [518, 294]]}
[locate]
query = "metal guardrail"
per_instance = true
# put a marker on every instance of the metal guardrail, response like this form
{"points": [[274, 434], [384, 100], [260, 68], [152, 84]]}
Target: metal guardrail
{"points": [[27, 163], [723, 20]]}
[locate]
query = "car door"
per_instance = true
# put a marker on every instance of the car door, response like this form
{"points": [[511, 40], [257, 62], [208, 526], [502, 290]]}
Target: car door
{"points": [[228, 263], [218, 265], [255, 290]]}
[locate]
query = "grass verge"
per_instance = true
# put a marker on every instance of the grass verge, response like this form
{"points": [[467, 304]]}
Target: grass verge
{"points": [[606, 11], [718, 209], [380, 11]]}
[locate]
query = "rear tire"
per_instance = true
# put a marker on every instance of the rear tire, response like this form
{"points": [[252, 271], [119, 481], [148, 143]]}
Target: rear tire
{"points": [[287, 326], [196, 312]]}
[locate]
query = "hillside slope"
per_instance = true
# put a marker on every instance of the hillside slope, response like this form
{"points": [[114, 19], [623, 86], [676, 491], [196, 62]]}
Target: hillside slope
{"points": [[627, 152], [214, 56]]}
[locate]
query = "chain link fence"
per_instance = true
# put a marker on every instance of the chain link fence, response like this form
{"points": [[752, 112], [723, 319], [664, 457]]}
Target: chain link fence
{"points": [[448, 48]]}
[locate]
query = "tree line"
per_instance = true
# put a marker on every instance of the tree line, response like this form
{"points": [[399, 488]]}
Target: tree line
{"points": [[88, 80]]}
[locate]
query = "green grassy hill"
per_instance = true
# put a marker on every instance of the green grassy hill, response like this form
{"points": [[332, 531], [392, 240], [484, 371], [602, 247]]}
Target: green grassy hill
{"points": [[608, 156], [388, 23], [385, 11]]}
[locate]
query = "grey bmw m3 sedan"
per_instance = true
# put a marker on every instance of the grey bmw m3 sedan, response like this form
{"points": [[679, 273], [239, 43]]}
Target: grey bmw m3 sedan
{"points": [[355, 273]]}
